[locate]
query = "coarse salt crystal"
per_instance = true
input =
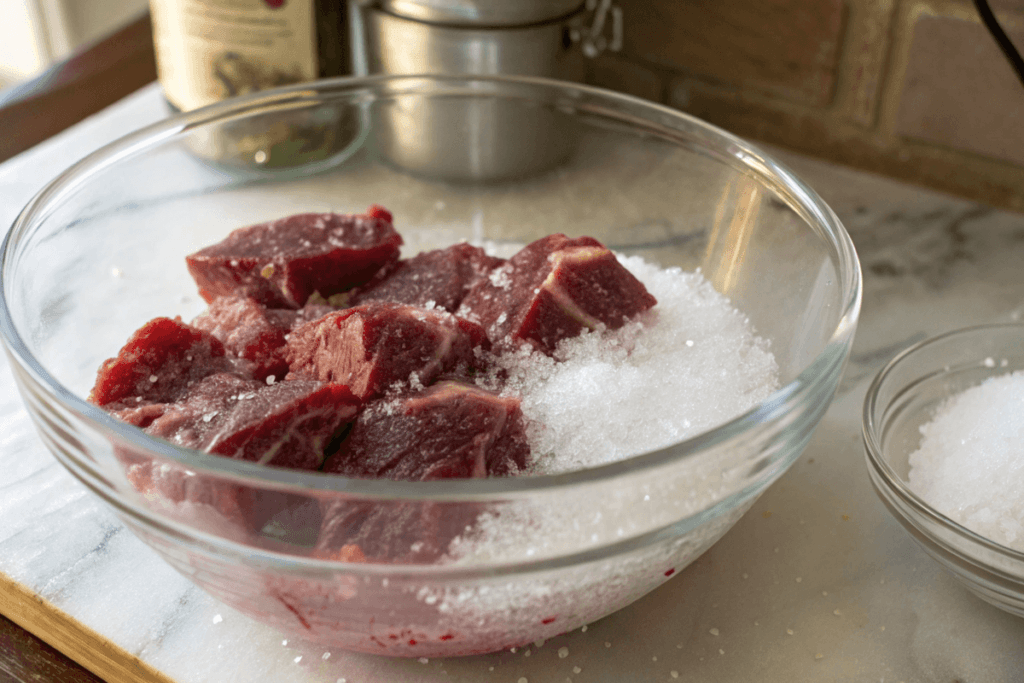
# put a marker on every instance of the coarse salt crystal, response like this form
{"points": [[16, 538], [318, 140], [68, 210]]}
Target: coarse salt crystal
{"points": [[970, 462]]}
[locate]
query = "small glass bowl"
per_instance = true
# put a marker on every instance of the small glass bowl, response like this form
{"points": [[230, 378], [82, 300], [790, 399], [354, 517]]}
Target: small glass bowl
{"points": [[101, 250], [903, 397]]}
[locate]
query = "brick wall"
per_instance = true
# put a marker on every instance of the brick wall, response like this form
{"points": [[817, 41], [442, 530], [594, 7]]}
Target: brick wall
{"points": [[915, 89]]}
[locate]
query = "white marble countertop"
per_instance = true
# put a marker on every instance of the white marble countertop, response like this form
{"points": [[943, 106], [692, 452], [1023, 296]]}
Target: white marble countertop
{"points": [[817, 582]]}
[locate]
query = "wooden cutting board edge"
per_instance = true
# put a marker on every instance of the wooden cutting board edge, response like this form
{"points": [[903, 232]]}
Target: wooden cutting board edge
{"points": [[65, 633]]}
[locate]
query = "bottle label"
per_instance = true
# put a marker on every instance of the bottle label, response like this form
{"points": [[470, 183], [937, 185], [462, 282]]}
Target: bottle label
{"points": [[208, 50]]}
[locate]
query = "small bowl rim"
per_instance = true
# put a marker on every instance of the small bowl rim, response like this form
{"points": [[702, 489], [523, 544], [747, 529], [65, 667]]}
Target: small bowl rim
{"points": [[873, 451], [734, 151]]}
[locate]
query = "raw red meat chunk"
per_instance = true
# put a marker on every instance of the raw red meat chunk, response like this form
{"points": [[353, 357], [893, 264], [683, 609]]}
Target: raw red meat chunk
{"points": [[281, 263], [450, 430], [392, 532], [158, 364], [552, 290], [139, 415], [288, 319], [442, 276], [287, 424], [244, 327], [372, 347], [207, 502]]}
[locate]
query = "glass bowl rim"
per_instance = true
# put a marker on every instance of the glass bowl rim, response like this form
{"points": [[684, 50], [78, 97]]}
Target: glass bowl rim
{"points": [[873, 448], [733, 151]]}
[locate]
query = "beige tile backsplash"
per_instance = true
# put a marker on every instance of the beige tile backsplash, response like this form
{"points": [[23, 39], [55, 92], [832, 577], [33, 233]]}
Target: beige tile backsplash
{"points": [[915, 89]]}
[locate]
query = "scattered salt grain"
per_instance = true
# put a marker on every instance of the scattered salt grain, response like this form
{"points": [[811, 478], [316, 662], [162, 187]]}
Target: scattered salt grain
{"points": [[789, 631], [576, 670], [584, 629], [297, 659], [423, 660], [116, 272], [327, 655], [217, 618], [970, 463], [153, 379], [673, 674], [563, 652], [713, 631], [522, 679], [271, 379]]}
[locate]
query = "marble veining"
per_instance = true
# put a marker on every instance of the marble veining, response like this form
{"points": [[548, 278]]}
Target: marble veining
{"points": [[817, 582]]}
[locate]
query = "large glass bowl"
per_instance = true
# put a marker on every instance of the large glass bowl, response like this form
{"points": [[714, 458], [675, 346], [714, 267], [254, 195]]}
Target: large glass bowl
{"points": [[100, 251], [904, 396]]}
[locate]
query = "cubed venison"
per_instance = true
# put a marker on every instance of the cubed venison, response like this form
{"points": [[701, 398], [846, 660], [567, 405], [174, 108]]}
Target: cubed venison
{"points": [[442, 276], [244, 327], [189, 421], [139, 415], [450, 430], [553, 289], [288, 319], [159, 364], [281, 263], [369, 348], [411, 533], [287, 424]]}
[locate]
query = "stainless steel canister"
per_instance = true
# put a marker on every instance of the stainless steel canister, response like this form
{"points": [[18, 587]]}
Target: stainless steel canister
{"points": [[466, 139], [482, 12]]}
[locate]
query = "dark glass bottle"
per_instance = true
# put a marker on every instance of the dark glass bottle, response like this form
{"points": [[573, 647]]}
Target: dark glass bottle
{"points": [[211, 50]]}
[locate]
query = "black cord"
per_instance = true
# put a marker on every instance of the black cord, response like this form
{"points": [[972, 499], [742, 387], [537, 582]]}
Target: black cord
{"points": [[1005, 44]]}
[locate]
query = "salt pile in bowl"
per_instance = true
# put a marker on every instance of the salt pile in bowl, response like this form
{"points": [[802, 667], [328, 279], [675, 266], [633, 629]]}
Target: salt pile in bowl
{"points": [[691, 363], [970, 463]]}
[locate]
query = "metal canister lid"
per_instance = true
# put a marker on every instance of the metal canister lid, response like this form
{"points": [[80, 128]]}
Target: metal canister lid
{"points": [[489, 13]]}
